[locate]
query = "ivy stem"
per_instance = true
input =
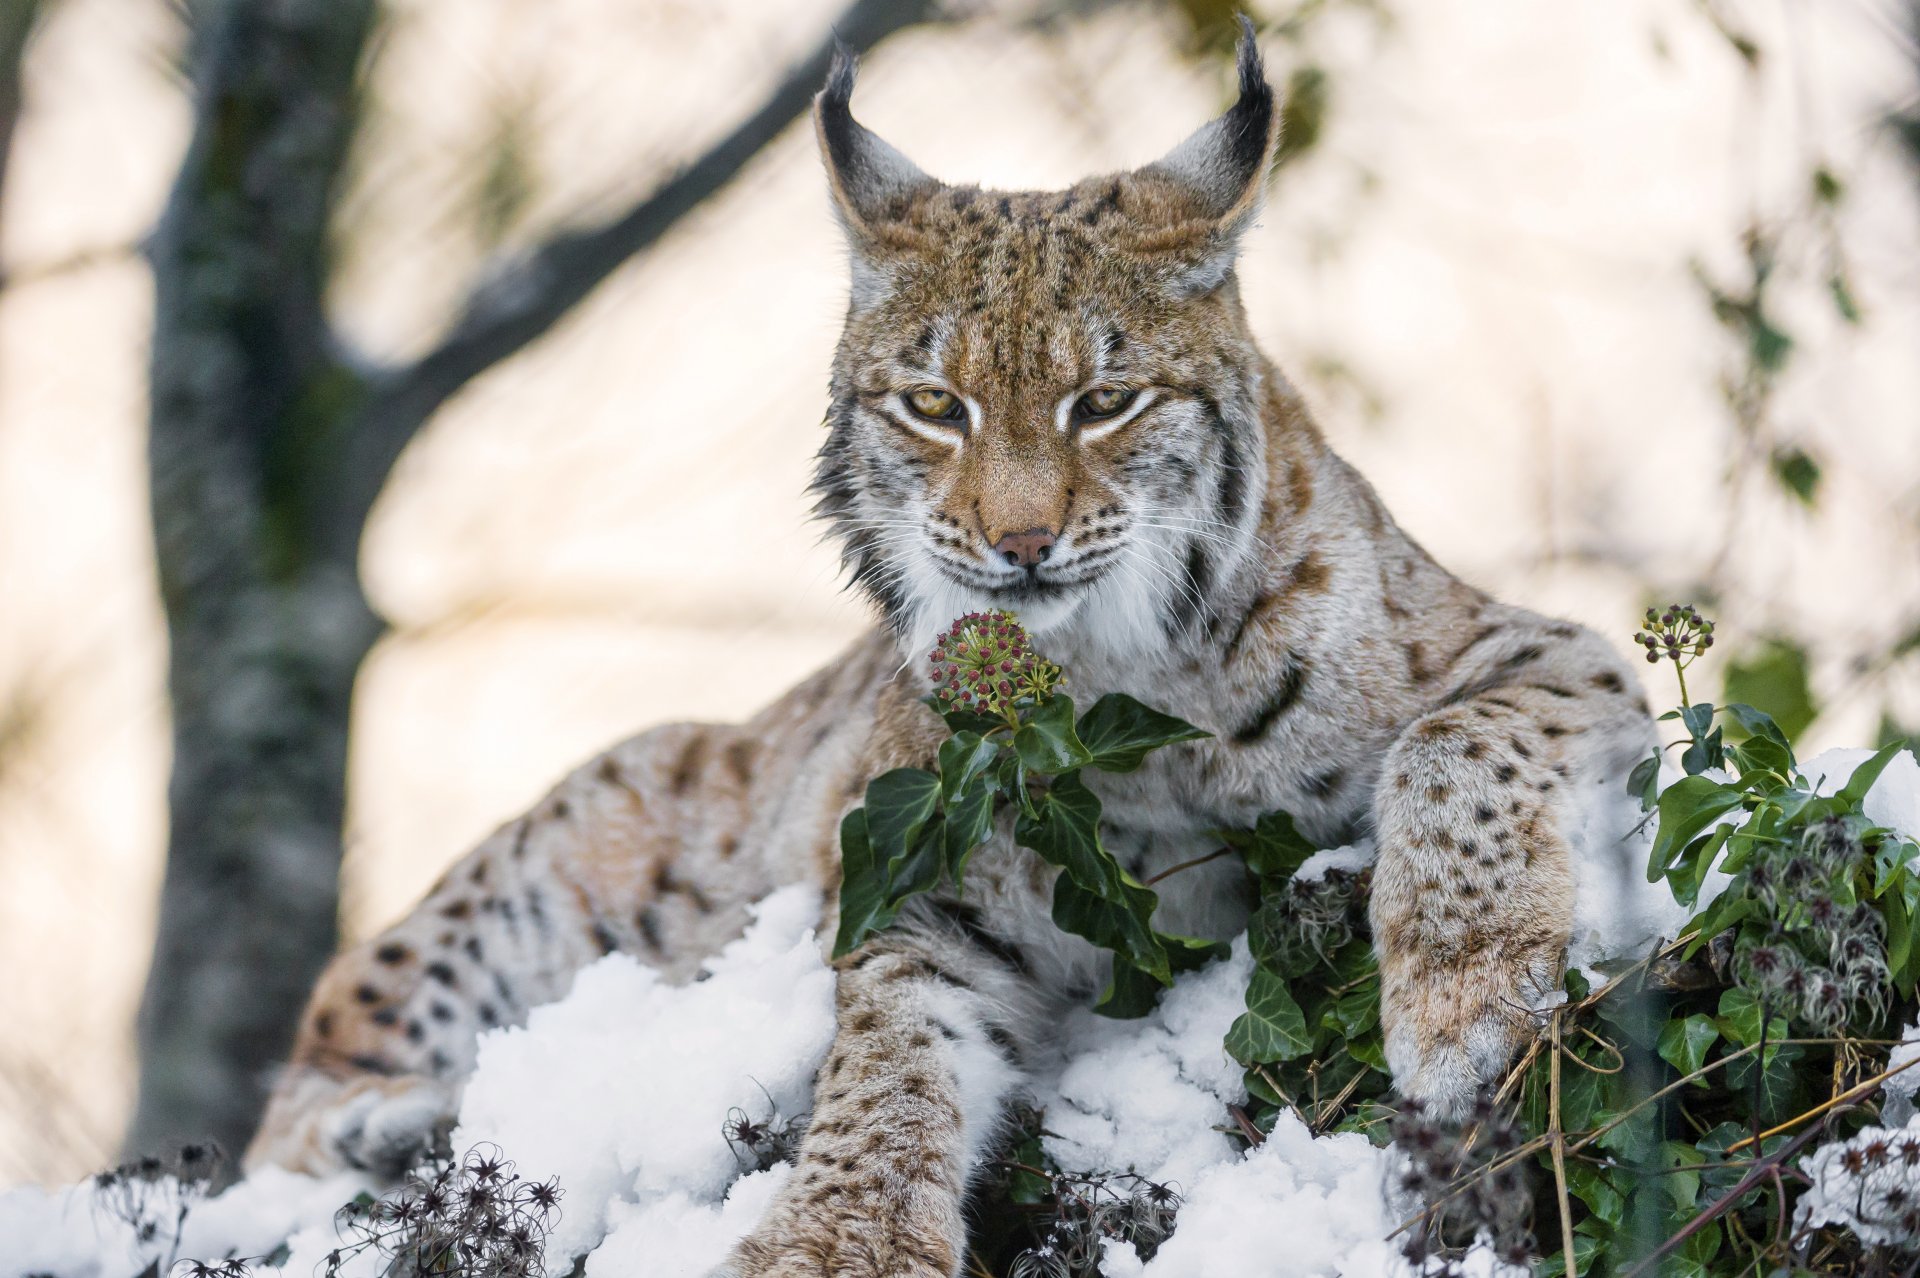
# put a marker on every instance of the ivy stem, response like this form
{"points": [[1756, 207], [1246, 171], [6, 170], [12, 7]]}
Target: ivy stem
{"points": [[1680, 673], [1188, 865]]}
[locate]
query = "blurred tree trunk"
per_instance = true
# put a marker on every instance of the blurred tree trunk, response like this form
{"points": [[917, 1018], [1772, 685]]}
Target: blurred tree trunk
{"points": [[268, 447], [266, 629]]}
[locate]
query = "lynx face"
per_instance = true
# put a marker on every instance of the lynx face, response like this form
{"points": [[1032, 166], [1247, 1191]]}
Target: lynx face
{"points": [[1049, 401]]}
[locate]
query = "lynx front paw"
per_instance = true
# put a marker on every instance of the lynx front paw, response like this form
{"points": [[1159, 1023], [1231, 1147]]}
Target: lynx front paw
{"points": [[383, 1126]]}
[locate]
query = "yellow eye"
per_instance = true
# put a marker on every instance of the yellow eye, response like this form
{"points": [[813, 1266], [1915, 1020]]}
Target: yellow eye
{"points": [[1106, 401], [937, 405]]}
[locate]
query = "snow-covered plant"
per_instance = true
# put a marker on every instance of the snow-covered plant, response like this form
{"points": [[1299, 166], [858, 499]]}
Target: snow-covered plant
{"points": [[473, 1218], [759, 1144], [153, 1197], [1869, 1185], [1469, 1171]]}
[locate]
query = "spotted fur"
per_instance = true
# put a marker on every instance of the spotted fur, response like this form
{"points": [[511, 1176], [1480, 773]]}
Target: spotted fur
{"points": [[1202, 548]]}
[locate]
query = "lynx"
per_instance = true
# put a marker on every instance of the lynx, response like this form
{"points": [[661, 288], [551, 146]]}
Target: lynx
{"points": [[1047, 402]]}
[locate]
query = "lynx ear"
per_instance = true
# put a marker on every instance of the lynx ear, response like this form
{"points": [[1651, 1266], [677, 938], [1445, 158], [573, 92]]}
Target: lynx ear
{"points": [[872, 183], [1221, 168]]}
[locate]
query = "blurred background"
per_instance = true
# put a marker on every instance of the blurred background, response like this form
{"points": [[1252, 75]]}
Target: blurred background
{"points": [[402, 401]]}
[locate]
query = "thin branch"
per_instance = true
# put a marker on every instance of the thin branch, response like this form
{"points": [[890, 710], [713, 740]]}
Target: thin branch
{"points": [[1558, 1138], [519, 302], [72, 263]]}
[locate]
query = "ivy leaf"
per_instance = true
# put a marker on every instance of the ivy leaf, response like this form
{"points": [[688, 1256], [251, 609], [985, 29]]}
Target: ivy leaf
{"points": [[1046, 742], [1132, 992], [1644, 781], [1684, 1044], [1357, 1011], [1066, 833], [1118, 732], [1705, 752], [899, 805], [1687, 808], [1191, 953], [1854, 792], [1698, 719], [1554, 1263], [965, 757], [863, 905], [1683, 1187], [1273, 849], [1740, 1017], [1273, 1027], [1118, 926], [1757, 723], [969, 821], [917, 869]]}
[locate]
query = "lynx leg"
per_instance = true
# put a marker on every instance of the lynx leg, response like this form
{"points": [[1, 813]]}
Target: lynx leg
{"points": [[908, 1099], [619, 856], [1472, 897]]}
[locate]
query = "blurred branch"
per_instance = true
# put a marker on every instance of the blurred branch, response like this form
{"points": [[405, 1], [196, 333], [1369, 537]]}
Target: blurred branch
{"points": [[523, 299], [17, 21], [55, 268]]}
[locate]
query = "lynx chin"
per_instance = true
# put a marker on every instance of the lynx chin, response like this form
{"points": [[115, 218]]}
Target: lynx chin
{"points": [[1047, 402]]}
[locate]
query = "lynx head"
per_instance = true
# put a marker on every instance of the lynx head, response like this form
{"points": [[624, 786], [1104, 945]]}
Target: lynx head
{"points": [[1047, 401]]}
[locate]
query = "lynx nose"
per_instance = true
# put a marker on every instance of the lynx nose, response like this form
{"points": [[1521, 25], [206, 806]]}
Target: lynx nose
{"points": [[1026, 549]]}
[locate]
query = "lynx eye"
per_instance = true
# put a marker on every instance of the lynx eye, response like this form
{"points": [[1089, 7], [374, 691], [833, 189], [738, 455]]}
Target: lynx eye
{"points": [[1106, 401], [936, 405]]}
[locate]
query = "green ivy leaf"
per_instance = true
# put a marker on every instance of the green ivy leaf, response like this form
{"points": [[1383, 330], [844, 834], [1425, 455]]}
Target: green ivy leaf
{"points": [[1273, 849], [1684, 1044], [1644, 781], [1066, 833], [1855, 791], [1683, 1187], [899, 805], [1046, 742], [1273, 1027], [863, 905], [1687, 808], [1553, 1263], [1739, 1018], [1118, 926], [965, 759], [969, 821], [1130, 992], [1118, 732]]}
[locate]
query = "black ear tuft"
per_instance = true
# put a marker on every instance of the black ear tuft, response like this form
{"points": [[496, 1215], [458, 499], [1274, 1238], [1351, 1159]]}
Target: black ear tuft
{"points": [[869, 178], [835, 105], [1222, 167], [1249, 122]]}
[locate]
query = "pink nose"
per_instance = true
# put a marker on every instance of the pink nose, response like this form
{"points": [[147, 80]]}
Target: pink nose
{"points": [[1025, 549]]}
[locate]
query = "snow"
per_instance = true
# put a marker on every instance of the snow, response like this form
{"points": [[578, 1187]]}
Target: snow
{"points": [[1352, 858], [1617, 914], [620, 1090]]}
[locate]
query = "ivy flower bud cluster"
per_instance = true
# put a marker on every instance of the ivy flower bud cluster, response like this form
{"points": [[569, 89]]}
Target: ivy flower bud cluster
{"points": [[986, 663], [1678, 634]]}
